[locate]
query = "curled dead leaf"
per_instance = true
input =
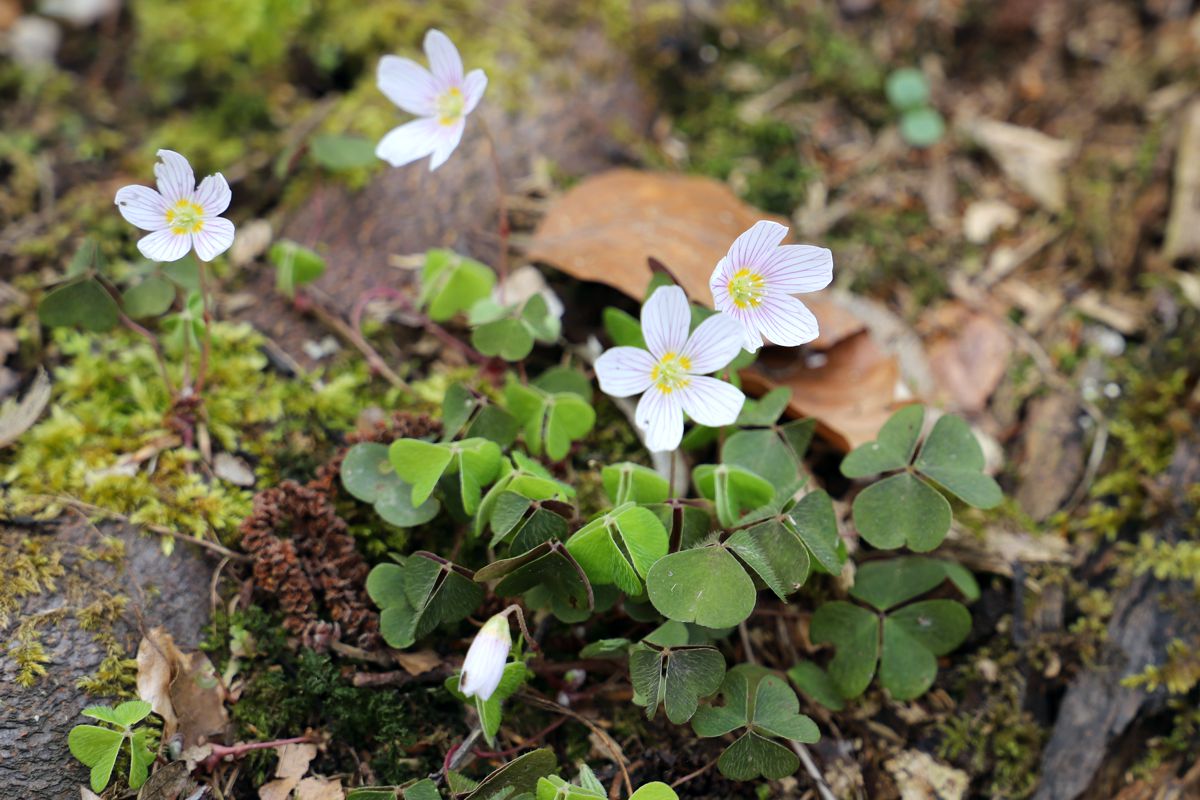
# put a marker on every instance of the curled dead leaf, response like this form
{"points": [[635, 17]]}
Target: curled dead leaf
{"points": [[606, 227]]}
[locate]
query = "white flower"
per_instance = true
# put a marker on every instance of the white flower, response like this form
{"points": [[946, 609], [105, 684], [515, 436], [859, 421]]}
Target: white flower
{"points": [[181, 214], [441, 96], [484, 665], [672, 373], [754, 284]]}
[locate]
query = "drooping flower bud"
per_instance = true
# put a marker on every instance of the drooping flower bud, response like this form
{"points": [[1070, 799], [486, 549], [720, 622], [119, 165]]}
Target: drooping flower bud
{"points": [[484, 665]]}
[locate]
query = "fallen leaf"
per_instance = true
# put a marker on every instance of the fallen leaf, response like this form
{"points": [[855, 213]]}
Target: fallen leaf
{"points": [[984, 217], [280, 789], [169, 782], [418, 663], [16, 418], [851, 390], [182, 688], [969, 355], [1031, 159], [294, 760], [919, 777], [606, 227], [319, 789]]}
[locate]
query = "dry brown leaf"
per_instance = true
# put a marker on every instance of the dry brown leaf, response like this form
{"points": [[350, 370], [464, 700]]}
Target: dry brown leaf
{"points": [[16, 418], [280, 789], [320, 789], [182, 688], [605, 228], [968, 356], [294, 760], [1031, 159], [418, 663], [851, 394], [171, 781]]}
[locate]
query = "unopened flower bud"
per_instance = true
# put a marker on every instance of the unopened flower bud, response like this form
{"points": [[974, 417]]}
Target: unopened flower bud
{"points": [[484, 665]]}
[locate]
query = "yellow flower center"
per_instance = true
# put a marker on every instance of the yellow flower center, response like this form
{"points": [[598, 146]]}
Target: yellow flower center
{"points": [[185, 217], [449, 106], [671, 372], [747, 289]]}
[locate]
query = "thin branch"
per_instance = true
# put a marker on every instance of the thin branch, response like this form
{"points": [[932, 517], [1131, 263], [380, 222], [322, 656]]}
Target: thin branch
{"points": [[338, 325], [88, 508]]}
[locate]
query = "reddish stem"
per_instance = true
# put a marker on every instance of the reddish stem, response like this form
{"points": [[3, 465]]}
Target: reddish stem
{"points": [[221, 751], [501, 206], [440, 333]]}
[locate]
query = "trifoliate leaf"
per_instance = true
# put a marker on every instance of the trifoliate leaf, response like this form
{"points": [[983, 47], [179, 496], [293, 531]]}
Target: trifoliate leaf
{"points": [[952, 456], [629, 482], [816, 684], [420, 464], [507, 338], [902, 510], [451, 283], [149, 298], [886, 584], [676, 677], [854, 631], [521, 774], [83, 302], [367, 473], [619, 546], [776, 555], [732, 489], [97, 748], [815, 522]]}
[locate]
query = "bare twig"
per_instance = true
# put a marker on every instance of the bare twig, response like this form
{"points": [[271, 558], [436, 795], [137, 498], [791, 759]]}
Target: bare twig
{"points": [[338, 325], [88, 508], [609, 745]]}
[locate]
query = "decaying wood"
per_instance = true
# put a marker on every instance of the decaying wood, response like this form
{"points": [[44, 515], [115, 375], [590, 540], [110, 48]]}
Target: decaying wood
{"points": [[1098, 710]]}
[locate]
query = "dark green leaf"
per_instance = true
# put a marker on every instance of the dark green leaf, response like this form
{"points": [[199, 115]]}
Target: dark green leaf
{"points": [[623, 329], [854, 631], [815, 523], [764, 453], [705, 585], [902, 509], [506, 338], [765, 411], [677, 677], [952, 456], [82, 302], [816, 684], [149, 298], [340, 152], [775, 554], [753, 756], [893, 449], [887, 583], [521, 774]]}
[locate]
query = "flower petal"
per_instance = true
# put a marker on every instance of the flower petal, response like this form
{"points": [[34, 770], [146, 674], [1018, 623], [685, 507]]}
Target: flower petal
{"points": [[711, 402], [213, 195], [660, 418], [785, 321], [165, 245], [624, 371], [798, 268], [745, 317], [473, 88], [666, 318], [752, 248], [448, 137], [407, 84], [444, 61], [175, 178], [213, 238], [409, 142], [715, 342], [142, 206], [718, 282]]}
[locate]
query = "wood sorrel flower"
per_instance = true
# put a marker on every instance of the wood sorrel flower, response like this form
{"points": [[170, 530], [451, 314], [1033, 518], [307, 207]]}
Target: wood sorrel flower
{"points": [[484, 665], [755, 282], [672, 372], [181, 214], [441, 96]]}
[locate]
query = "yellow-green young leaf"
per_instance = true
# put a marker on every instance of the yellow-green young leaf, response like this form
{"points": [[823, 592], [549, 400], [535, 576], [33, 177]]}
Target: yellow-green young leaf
{"points": [[419, 464], [568, 418], [478, 464], [131, 712], [892, 449], [451, 283], [654, 791], [368, 474], [705, 585], [557, 380], [295, 265], [141, 756], [732, 489], [952, 456], [82, 302], [619, 547], [507, 338], [623, 329], [537, 319], [902, 509], [97, 748], [629, 482]]}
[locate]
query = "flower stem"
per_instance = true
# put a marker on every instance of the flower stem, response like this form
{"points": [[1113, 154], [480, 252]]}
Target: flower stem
{"points": [[206, 347], [306, 302], [501, 206]]}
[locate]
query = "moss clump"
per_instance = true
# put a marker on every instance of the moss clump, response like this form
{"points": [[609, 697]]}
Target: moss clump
{"points": [[106, 443]]}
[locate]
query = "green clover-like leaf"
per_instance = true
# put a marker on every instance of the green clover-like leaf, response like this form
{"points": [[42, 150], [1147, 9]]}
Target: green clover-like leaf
{"points": [[417, 596], [367, 473], [295, 265], [476, 461], [902, 509], [913, 637], [886, 584], [83, 302], [675, 677], [548, 565], [97, 748], [732, 489], [705, 585], [815, 522], [152, 296], [892, 449], [775, 553], [952, 456], [519, 775], [763, 452], [451, 284], [816, 683], [619, 547], [340, 152], [854, 631]]}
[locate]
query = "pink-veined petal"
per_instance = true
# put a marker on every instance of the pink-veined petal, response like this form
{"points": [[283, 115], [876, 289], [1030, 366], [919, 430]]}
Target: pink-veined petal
{"points": [[798, 268], [718, 282], [407, 84], [715, 342], [213, 195], [666, 318], [175, 178], [711, 402], [624, 371], [448, 137], [165, 245], [142, 206], [660, 418], [745, 317], [409, 142], [473, 88], [785, 321], [752, 248], [444, 61], [214, 237]]}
